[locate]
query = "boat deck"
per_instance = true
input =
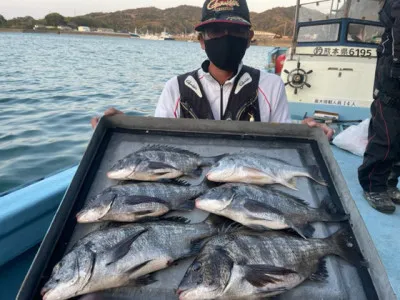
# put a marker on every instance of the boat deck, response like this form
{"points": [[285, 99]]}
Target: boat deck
{"points": [[384, 230]]}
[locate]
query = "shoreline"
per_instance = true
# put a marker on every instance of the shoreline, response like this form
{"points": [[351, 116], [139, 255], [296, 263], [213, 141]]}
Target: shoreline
{"points": [[260, 41]]}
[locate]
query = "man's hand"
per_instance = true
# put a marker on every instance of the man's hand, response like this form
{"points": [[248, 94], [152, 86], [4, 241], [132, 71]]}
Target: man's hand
{"points": [[312, 123], [109, 112]]}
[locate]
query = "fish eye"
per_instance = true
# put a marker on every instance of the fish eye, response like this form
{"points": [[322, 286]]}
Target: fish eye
{"points": [[196, 266]]}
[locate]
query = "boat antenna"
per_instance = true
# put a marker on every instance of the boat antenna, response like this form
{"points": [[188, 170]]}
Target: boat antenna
{"points": [[347, 9], [296, 21]]}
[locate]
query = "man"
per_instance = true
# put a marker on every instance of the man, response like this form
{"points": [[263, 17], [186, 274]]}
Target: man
{"points": [[378, 175], [223, 88]]}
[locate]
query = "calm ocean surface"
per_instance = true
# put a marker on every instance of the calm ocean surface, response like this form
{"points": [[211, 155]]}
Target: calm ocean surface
{"points": [[51, 85]]}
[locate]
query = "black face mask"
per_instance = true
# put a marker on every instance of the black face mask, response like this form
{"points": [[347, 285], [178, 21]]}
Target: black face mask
{"points": [[226, 52]]}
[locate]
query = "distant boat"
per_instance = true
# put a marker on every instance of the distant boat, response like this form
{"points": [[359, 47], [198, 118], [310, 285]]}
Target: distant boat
{"points": [[148, 36], [134, 35], [166, 36]]}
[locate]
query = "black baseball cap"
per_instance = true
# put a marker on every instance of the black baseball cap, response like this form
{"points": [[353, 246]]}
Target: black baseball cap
{"points": [[224, 11]]}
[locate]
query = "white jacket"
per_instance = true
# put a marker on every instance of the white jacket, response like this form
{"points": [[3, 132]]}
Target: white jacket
{"points": [[271, 97]]}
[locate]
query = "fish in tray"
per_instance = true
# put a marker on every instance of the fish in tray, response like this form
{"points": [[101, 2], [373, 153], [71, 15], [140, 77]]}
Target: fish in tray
{"points": [[259, 169], [251, 265], [156, 162], [125, 254], [135, 201], [263, 208]]}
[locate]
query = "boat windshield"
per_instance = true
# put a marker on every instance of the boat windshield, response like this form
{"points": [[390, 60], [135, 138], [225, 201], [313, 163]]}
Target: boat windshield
{"points": [[336, 9], [362, 33], [319, 33]]}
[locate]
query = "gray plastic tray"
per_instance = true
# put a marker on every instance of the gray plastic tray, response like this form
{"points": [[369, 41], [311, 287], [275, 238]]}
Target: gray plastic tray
{"points": [[119, 136]]}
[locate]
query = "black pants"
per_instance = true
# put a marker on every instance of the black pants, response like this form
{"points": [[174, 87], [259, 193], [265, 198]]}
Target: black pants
{"points": [[383, 149]]}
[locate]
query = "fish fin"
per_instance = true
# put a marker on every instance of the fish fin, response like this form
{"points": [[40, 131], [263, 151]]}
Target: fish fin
{"points": [[179, 182], [257, 207], [155, 165], [122, 248], [144, 280], [197, 245], [208, 161], [345, 246], [291, 184], [132, 270], [258, 174], [148, 219], [330, 211], [304, 230], [294, 198], [167, 148], [187, 205], [313, 172], [218, 221], [261, 275], [175, 219], [133, 200], [196, 173], [207, 184], [143, 212], [322, 272]]}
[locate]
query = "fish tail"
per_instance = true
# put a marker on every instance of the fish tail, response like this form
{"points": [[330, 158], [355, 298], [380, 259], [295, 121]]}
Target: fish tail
{"points": [[223, 224], [194, 174], [206, 184], [345, 246], [209, 161], [313, 173], [328, 212], [304, 230]]}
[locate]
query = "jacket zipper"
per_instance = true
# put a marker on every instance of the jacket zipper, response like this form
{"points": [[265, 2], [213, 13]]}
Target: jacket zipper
{"points": [[241, 110], [222, 101], [189, 110]]}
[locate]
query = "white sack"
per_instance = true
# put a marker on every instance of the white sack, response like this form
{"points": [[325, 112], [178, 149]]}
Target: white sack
{"points": [[354, 138]]}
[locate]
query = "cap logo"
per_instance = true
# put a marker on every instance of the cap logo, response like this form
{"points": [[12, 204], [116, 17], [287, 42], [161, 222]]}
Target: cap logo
{"points": [[222, 5]]}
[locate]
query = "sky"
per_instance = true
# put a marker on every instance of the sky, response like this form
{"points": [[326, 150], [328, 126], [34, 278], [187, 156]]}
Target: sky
{"points": [[39, 8]]}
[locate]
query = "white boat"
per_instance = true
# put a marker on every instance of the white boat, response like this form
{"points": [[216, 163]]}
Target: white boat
{"points": [[166, 36], [152, 37], [332, 62], [329, 74]]}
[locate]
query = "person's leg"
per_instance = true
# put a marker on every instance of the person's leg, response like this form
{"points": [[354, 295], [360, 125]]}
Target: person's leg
{"points": [[379, 156]]}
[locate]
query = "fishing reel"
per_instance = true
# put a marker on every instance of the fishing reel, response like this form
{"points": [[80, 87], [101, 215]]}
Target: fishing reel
{"points": [[297, 78]]}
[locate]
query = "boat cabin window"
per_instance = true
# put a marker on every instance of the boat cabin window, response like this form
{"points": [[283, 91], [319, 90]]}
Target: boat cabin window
{"points": [[361, 33], [337, 9], [319, 33]]}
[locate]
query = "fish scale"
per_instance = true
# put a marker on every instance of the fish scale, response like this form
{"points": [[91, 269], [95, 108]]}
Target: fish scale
{"points": [[118, 256], [156, 162], [263, 208], [259, 169], [131, 202], [276, 262]]}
